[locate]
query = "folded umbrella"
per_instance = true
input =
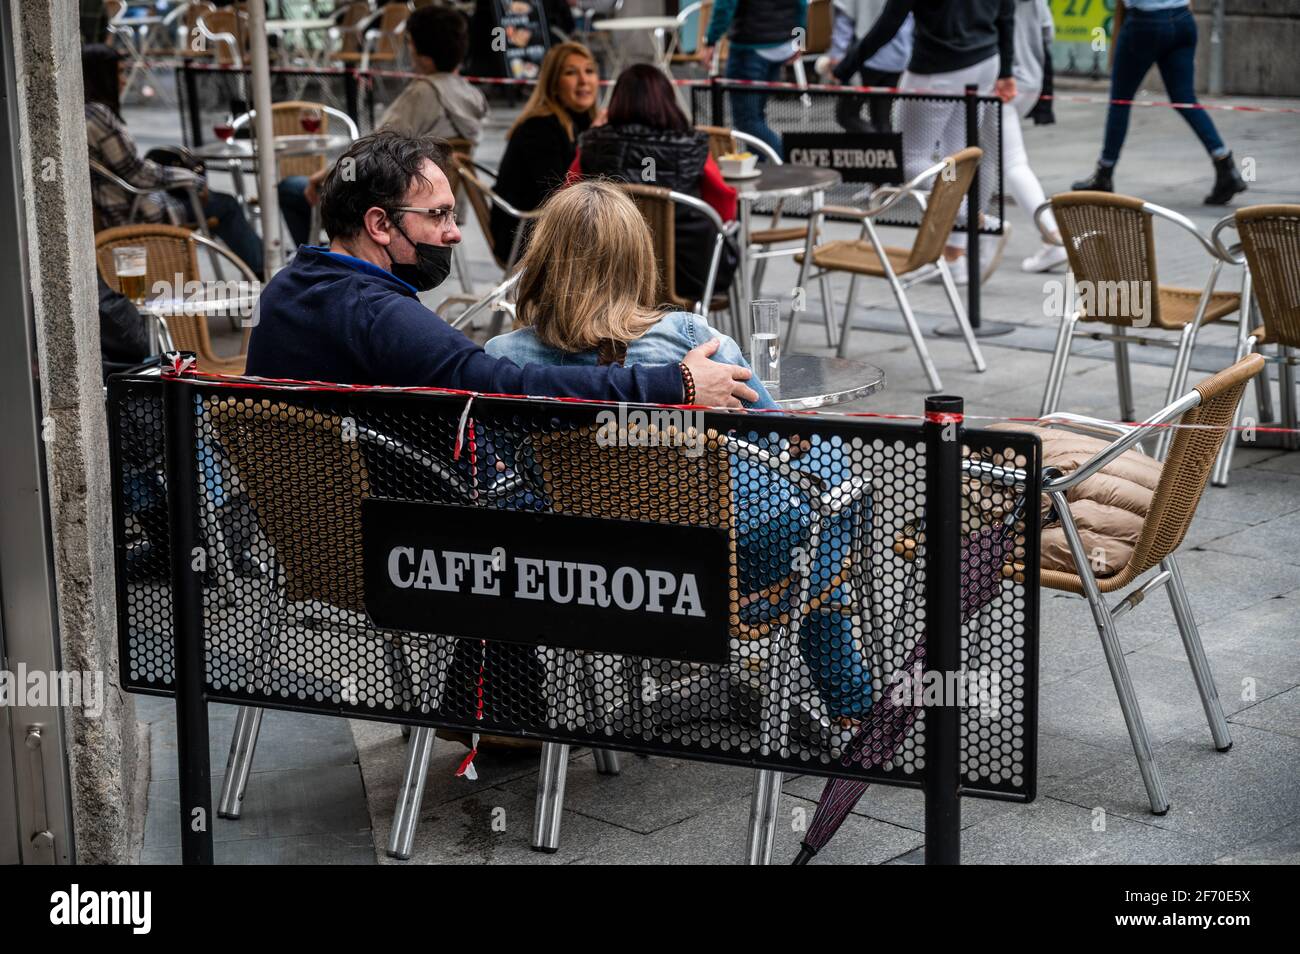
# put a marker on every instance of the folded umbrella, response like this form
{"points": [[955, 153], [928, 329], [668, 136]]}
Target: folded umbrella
{"points": [[877, 738]]}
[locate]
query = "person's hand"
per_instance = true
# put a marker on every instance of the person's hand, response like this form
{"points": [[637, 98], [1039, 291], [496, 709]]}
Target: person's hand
{"points": [[705, 54], [312, 192], [1005, 89], [717, 384], [601, 119]]}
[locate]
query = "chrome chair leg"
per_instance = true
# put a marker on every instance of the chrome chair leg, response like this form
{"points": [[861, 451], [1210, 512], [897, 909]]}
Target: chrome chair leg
{"points": [[1124, 376], [239, 764], [1128, 704], [1287, 397], [1177, 382], [913, 329], [1196, 657], [950, 287], [607, 762], [1060, 359], [549, 806], [406, 817], [762, 817]]}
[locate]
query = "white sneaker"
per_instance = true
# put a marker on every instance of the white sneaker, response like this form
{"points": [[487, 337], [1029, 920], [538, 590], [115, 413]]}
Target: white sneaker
{"points": [[1045, 259], [957, 268]]}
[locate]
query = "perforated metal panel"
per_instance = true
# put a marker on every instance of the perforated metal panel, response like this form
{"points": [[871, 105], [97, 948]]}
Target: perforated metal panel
{"points": [[823, 568], [932, 127]]}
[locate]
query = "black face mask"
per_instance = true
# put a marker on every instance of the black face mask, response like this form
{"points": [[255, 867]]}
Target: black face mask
{"points": [[431, 266]]}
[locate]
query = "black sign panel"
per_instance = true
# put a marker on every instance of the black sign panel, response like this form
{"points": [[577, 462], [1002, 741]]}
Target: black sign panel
{"points": [[524, 38], [857, 157], [610, 586]]}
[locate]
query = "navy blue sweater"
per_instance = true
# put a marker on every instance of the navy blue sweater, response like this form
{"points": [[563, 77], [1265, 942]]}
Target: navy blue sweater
{"points": [[331, 317]]}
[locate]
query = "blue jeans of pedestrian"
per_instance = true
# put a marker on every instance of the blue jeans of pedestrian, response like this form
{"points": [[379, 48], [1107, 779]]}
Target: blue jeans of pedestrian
{"points": [[749, 110], [234, 229], [1166, 38], [295, 208]]}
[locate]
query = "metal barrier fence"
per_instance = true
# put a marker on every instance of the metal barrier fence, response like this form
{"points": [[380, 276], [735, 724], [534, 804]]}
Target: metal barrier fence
{"points": [[918, 128], [772, 591]]}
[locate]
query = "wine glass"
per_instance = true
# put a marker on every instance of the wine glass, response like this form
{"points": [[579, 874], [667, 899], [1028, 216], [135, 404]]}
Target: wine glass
{"points": [[225, 130], [309, 118]]}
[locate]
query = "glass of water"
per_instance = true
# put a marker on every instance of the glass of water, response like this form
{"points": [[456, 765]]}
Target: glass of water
{"points": [[765, 341]]}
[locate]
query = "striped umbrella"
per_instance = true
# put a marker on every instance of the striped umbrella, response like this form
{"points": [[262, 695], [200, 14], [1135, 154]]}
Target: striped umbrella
{"points": [[889, 723]]}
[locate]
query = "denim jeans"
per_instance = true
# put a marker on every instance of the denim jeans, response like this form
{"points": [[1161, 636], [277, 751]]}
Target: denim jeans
{"points": [[295, 208], [1166, 38], [234, 229], [748, 110]]}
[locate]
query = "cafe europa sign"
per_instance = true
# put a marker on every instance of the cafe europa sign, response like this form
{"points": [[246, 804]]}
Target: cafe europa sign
{"points": [[857, 157], [611, 586]]}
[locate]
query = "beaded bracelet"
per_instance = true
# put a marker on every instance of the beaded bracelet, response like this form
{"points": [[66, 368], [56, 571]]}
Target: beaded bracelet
{"points": [[688, 382]]}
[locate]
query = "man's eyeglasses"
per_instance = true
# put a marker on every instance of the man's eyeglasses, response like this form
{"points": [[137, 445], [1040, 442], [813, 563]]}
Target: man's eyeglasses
{"points": [[441, 217]]}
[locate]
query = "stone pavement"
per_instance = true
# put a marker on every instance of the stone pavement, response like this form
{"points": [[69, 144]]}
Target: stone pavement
{"points": [[322, 793]]}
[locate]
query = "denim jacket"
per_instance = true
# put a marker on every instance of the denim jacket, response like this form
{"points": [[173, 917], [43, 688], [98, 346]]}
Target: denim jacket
{"points": [[665, 343]]}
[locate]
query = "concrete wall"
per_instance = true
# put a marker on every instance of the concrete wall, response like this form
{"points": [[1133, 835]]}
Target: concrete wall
{"points": [[1261, 39], [56, 194]]}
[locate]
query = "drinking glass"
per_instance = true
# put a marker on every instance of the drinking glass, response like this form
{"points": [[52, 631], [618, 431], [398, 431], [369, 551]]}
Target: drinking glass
{"points": [[130, 262], [310, 119], [225, 130], [765, 341]]}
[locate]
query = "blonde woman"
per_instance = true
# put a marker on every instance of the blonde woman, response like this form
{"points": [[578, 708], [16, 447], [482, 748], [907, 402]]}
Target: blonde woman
{"points": [[586, 296], [540, 144]]}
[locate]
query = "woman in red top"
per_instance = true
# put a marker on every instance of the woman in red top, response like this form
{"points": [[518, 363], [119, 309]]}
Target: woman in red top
{"points": [[648, 139]]}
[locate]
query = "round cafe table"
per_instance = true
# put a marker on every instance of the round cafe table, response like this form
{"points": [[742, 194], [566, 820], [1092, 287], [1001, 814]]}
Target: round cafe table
{"points": [[239, 151], [810, 381], [776, 182]]}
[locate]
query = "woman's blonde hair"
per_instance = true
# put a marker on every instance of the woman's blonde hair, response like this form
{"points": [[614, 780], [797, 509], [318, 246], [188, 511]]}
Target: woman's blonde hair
{"points": [[543, 101], [589, 276]]}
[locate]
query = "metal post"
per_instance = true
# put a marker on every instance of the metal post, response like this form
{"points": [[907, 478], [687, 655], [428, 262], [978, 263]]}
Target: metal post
{"points": [[188, 561], [974, 208], [973, 211], [943, 417], [191, 98], [267, 173], [1216, 48], [350, 98]]}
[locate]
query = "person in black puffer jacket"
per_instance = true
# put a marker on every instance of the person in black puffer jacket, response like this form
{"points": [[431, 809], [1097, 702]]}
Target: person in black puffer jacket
{"points": [[648, 140]]}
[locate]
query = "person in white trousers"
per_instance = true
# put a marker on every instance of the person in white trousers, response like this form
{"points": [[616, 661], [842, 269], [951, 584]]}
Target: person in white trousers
{"points": [[956, 43], [1034, 31]]}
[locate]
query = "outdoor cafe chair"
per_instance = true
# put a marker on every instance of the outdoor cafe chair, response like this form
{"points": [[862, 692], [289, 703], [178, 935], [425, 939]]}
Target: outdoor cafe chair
{"points": [[901, 267], [285, 121], [1270, 247], [584, 478], [722, 141], [368, 38], [275, 450], [225, 31], [464, 149], [482, 199], [658, 205], [1203, 416], [173, 251], [1110, 242]]}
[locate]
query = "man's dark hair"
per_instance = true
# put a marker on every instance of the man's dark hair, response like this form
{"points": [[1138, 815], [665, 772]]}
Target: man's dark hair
{"points": [[99, 75], [376, 171], [440, 33]]}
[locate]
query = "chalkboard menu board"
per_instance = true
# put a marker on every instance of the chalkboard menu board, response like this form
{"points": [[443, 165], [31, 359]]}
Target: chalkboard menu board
{"points": [[518, 37]]}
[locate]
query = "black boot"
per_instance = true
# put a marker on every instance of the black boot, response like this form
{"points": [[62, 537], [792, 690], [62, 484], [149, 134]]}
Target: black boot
{"points": [[1101, 180], [1227, 182]]}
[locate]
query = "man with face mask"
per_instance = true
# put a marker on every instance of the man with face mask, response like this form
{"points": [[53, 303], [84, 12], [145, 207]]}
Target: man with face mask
{"points": [[349, 312]]}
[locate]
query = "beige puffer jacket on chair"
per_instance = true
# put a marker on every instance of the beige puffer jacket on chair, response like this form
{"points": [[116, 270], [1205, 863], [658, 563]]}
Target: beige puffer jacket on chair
{"points": [[1109, 507]]}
